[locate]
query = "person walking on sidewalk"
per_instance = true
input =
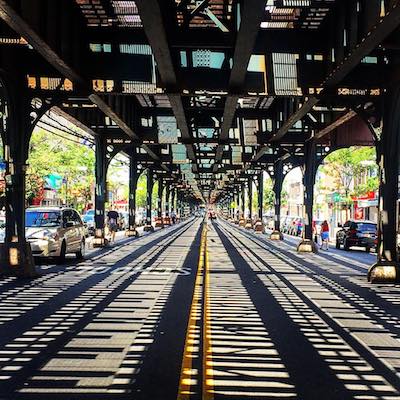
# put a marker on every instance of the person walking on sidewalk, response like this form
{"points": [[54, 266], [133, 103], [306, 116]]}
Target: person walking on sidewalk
{"points": [[325, 235]]}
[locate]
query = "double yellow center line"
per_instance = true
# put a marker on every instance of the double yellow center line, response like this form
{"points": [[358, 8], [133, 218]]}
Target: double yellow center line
{"points": [[199, 312]]}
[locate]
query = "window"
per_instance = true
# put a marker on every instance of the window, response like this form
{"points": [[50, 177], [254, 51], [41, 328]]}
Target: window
{"points": [[42, 219], [76, 218], [67, 216]]}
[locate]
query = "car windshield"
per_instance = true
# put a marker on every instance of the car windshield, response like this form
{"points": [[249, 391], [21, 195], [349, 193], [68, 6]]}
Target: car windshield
{"points": [[364, 227], [43, 219]]}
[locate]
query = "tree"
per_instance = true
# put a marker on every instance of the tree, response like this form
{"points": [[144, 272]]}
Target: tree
{"points": [[353, 172], [346, 165], [51, 154], [141, 191]]}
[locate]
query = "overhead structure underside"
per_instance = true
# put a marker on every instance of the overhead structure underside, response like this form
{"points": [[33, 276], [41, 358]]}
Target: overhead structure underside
{"points": [[210, 91]]}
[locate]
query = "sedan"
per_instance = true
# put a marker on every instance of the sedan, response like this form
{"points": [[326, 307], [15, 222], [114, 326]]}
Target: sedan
{"points": [[357, 233], [54, 232]]}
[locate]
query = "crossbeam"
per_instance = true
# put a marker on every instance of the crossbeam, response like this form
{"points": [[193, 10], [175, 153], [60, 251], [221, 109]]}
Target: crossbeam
{"points": [[251, 19], [374, 37], [14, 20], [151, 16]]}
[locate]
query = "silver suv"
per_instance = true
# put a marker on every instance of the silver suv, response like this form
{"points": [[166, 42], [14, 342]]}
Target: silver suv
{"points": [[54, 232]]}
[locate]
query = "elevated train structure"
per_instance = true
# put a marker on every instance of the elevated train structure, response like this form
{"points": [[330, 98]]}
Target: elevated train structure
{"points": [[205, 95]]}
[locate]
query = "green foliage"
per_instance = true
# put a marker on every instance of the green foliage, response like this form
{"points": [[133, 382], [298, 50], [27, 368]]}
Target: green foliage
{"points": [[141, 191], [50, 154], [269, 196], [345, 165]]}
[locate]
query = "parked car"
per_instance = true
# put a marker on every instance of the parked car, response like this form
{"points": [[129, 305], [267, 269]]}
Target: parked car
{"points": [[140, 217], [121, 221], [287, 224], [125, 224], [269, 221], [357, 233], [88, 220], [55, 232], [296, 228]]}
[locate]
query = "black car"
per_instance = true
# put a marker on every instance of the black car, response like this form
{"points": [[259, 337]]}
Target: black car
{"points": [[357, 233]]}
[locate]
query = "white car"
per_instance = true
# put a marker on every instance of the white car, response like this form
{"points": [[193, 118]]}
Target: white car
{"points": [[55, 232]]}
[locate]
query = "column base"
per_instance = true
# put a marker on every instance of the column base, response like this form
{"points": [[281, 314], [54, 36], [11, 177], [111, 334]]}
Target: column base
{"points": [[167, 221], [148, 228], [99, 242], [131, 233], [276, 235], [307, 246], [16, 259], [384, 272], [159, 223], [259, 227], [249, 224]]}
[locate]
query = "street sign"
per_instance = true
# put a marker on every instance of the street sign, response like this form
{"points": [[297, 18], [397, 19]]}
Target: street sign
{"points": [[337, 198]]}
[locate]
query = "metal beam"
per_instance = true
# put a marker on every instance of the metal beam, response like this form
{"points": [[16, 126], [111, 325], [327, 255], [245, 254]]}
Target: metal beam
{"points": [[251, 18], [74, 121], [152, 19], [374, 37], [340, 121], [13, 19]]}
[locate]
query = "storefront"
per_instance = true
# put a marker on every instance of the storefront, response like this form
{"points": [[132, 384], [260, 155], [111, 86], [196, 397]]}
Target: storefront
{"points": [[366, 207]]}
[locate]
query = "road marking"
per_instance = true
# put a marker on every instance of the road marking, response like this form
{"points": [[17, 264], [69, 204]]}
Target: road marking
{"points": [[187, 377], [208, 379], [199, 311]]}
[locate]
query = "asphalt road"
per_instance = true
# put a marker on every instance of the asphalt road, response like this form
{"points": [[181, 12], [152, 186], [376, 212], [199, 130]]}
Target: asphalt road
{"points": [[201, 311]]}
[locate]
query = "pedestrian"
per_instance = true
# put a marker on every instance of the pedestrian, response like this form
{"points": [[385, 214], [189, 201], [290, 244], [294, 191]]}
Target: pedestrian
{"points": [[112, 222], [173, 217], [325, 235]]}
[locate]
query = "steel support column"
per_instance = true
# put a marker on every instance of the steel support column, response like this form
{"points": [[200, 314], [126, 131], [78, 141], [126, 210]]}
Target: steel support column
{"points": [[260, 192], [159, 221], [310, 170], [249, 221], [250, 197], [243, 195], [259, 224], [133, 180], [387, 267], [173, 205], [167, 219], [100, 191], [149, 192], [277, 188], [15, 253]]}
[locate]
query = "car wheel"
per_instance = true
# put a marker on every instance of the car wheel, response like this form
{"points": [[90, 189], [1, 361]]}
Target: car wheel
{"points": [[346, 245], [81, 253], [337, 244], [63, 251]]}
